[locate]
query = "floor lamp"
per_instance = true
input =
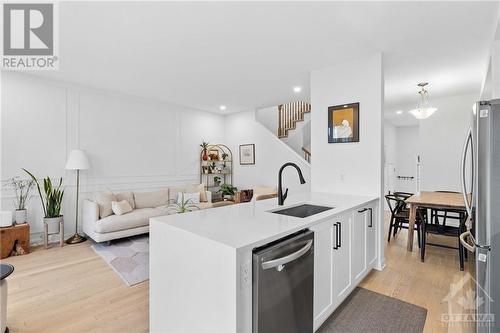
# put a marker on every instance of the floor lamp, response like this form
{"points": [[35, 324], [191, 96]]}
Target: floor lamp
{"points": [[77, 161]]}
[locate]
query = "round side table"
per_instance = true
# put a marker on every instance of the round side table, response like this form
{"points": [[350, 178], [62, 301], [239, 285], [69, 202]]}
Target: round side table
{"points": [[5, 271]]}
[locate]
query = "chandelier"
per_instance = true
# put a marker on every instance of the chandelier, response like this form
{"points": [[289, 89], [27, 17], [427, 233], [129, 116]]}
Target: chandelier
{"points": [[424, 109]]}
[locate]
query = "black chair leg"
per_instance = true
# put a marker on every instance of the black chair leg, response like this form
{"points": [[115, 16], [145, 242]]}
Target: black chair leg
{"points": [[418, 236], [390, 229], [461, 254], [422, 246], [397, 225]]}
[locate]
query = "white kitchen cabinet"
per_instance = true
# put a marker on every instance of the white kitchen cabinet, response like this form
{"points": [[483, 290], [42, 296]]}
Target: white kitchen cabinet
{"points": [[341, 259], [359, 233], [323, 273], [344, 252], [371, 236]]}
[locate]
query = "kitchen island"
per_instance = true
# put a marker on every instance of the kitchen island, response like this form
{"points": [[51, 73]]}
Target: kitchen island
{"points": [[201, 262]]}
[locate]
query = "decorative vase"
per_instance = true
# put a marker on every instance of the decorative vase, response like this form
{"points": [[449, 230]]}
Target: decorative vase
{"points": [[21, 216], [205, 155], [53, 224]]}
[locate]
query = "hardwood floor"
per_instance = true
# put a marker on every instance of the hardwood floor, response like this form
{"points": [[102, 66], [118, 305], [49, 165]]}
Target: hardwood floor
{"points": [[425, 284], [71, 289]]}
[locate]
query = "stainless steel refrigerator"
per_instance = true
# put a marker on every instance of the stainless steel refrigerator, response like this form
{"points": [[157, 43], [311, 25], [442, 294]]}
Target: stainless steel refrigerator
{"points": [[481, 159]]}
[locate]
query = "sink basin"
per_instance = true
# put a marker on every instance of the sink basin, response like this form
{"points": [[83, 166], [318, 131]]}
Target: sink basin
{"points": [[304, 210]]}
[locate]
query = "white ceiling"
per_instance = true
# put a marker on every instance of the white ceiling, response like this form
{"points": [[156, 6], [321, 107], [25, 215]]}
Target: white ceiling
{"points": [[251, 54]]}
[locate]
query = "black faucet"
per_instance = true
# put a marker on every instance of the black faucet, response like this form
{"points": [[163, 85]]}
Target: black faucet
{"points": [[282, 196]]}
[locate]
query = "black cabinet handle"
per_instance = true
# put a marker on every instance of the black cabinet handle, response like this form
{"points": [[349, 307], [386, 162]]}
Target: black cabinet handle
{"points": [[340, 234], [371, 215], [371, 218], [336, 246]]}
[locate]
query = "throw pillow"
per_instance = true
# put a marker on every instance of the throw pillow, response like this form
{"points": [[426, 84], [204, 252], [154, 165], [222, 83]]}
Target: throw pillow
{"points": [[201, 188], [174, 191], [129, 196], [103, 200], [121, 207], [194, 198], [151, 199]]}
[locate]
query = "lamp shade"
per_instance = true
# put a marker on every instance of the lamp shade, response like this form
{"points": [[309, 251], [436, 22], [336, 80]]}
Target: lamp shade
{"points": [[77, 160]]}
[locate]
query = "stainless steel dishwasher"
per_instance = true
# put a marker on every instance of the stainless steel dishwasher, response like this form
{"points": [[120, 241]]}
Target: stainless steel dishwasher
{"points": [[283, 278]]}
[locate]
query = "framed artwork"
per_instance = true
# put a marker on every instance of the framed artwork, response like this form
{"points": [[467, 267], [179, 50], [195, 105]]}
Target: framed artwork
{"points": [[213, 154], [247, 154], [343, 123]]}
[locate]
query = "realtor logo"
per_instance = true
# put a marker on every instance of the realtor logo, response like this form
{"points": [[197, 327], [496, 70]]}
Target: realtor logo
{"points": [[29, 36]]}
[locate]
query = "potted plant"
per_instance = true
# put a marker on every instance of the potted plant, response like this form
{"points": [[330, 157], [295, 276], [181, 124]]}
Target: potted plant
{"points": [[217, 180], [212, 167], [224, 156], [204, 146], [52, 203], [22, 190], [227, 191], [183, 206]]}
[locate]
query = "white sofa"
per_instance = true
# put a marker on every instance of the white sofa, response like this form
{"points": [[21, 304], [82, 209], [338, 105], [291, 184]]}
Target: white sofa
{"points": [[102, 227]]}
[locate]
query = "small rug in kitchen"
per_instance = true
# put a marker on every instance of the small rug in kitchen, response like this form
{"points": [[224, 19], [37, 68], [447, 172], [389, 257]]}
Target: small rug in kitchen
{"points": [[128, 257], [368, 311]]}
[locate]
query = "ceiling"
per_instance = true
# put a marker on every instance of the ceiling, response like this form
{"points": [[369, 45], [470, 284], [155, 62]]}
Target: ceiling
{"points": [[251, 54]]}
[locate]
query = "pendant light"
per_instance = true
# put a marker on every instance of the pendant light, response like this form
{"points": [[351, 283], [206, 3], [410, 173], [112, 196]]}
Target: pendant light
{"points": [[423, 109]]}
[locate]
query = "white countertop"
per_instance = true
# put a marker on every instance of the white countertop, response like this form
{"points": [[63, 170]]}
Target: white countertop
{"points": [[251, 224]]}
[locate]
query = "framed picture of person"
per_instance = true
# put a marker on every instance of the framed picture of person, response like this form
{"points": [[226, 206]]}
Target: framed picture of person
{"points": [[247, 154], [343, 123]]}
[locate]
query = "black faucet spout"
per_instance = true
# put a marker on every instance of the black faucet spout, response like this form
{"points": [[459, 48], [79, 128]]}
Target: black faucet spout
{"points": [[282, 196]]}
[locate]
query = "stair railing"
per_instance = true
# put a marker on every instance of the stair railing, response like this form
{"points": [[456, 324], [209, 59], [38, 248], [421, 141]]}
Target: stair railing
{"points": [[289, 114], [307, 154]]}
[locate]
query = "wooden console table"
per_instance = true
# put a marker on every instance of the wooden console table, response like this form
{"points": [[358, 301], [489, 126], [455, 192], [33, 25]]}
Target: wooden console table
{"points": [[15, 240]]}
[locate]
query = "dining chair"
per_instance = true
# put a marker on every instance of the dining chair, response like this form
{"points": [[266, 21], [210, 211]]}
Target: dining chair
{"points": [[444, 214], [400, 216], [444, 230]]}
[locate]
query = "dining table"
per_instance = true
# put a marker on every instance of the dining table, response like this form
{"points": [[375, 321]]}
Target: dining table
{"points": [[431, 200]]}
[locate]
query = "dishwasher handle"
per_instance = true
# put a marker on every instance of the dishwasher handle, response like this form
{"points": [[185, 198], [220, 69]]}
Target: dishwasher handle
{"points": [[278, 263]]}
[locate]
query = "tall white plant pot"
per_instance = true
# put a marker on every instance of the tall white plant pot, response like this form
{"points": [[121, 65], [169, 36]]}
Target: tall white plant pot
{"points": [[52, 226], [21, 216]]}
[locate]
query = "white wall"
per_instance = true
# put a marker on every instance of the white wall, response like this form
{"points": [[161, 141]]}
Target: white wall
{"points": [[438, 140], [132, 144], [270, 154], [441, 140], [389, 157], [407, 149], [269, 118], [354, 168]]}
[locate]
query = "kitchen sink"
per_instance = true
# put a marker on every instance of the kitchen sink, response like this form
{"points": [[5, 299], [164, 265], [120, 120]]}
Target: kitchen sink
{"points": [[302, 211]]}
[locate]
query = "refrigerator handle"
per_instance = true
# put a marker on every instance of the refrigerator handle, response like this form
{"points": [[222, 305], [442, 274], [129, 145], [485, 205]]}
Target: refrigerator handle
{"points": [[468, 140]]}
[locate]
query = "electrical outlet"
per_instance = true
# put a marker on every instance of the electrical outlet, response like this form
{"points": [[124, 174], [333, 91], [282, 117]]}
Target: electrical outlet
{"points": [[246, 274]]}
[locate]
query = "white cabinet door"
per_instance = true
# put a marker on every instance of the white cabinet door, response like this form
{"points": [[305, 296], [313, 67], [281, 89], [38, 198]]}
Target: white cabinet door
{"points": [[358, 244], [323, 279], [342, 279], [371, 235]]}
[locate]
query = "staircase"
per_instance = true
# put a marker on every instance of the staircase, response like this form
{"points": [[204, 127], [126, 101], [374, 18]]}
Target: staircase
{"points": [[288, 116], [293, 124]]}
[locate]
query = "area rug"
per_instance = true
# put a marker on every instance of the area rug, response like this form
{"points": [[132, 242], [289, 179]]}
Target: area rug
{"points": [[128, 257], [368, 311]]}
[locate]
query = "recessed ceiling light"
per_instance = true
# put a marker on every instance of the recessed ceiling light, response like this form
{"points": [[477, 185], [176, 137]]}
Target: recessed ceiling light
{"points": [[222, 107], [399, 112], [297, 89], [345, 106]]}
